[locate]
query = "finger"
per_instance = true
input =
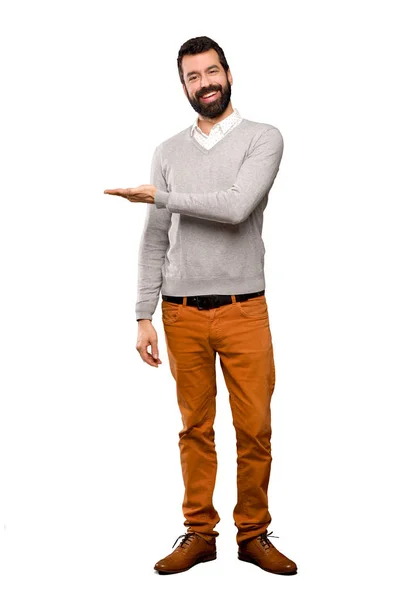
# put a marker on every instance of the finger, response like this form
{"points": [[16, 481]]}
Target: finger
{"points": [[153, 353], [154, 350], [137, 191], [147, 357], [151, 360], [118, 191]]}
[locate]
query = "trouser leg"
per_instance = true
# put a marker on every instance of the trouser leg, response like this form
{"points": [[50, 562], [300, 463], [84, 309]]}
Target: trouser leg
{"points": [[247, 362], [192, 364]]}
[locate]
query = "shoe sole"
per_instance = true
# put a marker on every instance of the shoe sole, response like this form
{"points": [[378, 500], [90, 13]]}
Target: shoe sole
{"points": [[252, 560], [200, 559]]}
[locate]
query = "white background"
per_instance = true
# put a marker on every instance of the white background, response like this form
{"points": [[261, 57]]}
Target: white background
{"points": [[90, 472]]}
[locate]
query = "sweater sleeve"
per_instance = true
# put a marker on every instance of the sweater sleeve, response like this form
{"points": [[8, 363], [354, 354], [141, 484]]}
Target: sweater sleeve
{"points": [[253, 182], [152, 248]]}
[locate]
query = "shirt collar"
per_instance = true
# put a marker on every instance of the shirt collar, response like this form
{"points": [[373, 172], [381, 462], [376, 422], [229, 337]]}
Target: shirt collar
{"points": [[223, 125]]}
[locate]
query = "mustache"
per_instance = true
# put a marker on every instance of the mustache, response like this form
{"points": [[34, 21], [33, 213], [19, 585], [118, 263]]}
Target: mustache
{"points": [[204, 92]]}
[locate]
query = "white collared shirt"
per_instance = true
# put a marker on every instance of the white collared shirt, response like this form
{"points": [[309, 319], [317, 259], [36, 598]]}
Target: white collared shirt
{"points": [[217, 131]]}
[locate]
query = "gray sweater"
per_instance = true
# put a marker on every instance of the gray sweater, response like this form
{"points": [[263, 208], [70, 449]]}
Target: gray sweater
{"points": [[203, 234]]}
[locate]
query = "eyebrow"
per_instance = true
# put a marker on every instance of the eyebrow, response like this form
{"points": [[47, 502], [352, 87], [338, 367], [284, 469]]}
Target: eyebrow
{"points": [[194, 72]]}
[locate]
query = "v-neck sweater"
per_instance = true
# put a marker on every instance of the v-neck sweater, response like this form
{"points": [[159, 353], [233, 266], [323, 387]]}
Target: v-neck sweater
{"points": [[217, 131], [203, 234]]}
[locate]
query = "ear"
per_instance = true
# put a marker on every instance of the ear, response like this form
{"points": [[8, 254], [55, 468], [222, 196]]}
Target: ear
{"points": [[229, 76], [184, 89]]}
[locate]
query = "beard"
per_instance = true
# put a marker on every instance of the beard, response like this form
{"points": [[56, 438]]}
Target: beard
{"points": [[216, 107]]}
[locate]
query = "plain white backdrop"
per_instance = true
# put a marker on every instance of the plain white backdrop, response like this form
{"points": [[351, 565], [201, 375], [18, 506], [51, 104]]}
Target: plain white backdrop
{"points": [[90, 472]]}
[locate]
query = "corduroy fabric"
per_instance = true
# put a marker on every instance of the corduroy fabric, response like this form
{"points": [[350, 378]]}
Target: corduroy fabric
{"points": [[240, 333]]}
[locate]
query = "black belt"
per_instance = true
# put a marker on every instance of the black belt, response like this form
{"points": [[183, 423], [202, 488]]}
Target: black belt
{"points": [[212, 300]]}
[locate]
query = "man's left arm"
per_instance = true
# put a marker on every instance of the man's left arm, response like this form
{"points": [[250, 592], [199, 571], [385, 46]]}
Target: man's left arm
{"points": [[254, 180]]}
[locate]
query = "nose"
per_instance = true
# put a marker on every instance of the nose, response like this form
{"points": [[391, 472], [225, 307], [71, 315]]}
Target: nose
{"points": [[205, 82]]}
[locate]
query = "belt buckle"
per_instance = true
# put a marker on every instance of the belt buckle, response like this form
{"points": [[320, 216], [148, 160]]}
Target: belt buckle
{"points": [[207, 302]]}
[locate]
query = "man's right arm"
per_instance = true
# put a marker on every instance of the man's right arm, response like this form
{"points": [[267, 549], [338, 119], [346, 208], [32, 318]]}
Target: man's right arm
{"points": [[152, 248]]}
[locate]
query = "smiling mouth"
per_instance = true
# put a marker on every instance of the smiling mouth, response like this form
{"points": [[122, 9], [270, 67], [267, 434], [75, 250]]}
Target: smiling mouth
{"points": [[209, 98]]}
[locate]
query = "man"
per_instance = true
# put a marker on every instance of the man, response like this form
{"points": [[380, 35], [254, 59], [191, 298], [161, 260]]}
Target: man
{"points": [[202, 246]]}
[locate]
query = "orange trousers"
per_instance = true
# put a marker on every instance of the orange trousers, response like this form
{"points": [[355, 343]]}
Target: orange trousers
{"points": [[241, 335]]}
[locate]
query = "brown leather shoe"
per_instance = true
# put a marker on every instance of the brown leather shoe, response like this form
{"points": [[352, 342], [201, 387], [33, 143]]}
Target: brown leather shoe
{"points": [[192, 549], [261, 552]]}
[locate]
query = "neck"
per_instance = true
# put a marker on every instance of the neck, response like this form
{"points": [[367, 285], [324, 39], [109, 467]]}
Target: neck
{"points": [[206, 123]]}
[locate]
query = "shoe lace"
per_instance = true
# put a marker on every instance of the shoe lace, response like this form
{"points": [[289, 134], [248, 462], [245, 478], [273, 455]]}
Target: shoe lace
{"points": [[185, 537], [264, 538]]}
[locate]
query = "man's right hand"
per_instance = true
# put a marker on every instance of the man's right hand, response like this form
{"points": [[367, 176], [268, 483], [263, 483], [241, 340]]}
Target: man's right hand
{"points": [[147, 336]]}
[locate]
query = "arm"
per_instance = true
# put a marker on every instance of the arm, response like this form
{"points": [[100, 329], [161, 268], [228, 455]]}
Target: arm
{"points": [[254, 180], [152, 249]]}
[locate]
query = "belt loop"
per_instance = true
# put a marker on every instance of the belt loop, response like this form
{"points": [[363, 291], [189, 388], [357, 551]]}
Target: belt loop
{"points": [[184, 300], [233, 297]]}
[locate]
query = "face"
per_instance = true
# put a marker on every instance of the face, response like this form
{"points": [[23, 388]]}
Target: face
{"points": [[203, 74]]}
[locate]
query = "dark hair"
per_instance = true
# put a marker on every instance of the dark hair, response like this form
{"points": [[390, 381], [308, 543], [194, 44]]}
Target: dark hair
{"points": [[196, 46]]}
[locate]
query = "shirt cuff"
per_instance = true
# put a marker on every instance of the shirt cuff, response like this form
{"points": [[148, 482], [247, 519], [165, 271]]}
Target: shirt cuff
{"points": [[161, 198]]}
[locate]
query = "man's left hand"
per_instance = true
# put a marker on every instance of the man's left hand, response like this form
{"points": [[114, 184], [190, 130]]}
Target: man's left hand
{"points": [[143, 193]]}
